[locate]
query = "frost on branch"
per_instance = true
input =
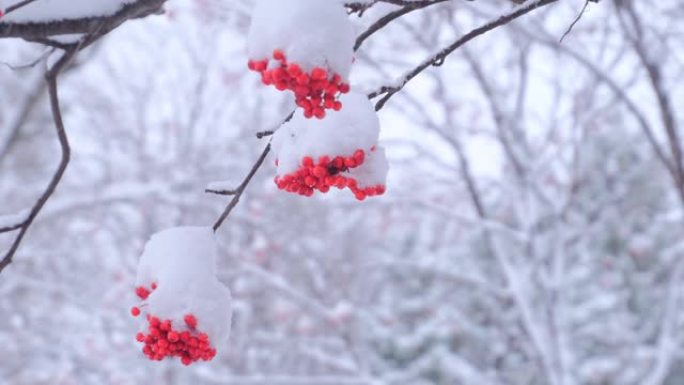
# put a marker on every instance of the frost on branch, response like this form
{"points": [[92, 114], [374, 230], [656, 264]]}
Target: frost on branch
{"points": [[305, 46], [340, 151], [185, 308], [53, 10]]}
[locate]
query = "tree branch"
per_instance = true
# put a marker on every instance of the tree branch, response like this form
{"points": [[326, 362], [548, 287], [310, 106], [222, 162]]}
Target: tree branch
{"points": [[241, 189], [51, 79], [385, 20], [38, 31], [438, 59]]}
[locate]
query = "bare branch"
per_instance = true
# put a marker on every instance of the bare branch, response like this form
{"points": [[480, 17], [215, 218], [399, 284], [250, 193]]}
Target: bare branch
{"points": [[41, 31], [241, 189], [17, 6], [385, 20], [221, 192], [438, 59], [577, 19], [51, 78]]}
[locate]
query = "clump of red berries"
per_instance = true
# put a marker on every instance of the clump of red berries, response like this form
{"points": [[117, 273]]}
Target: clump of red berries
{"points": [[325, 174], [315, 92], [162, 340]]}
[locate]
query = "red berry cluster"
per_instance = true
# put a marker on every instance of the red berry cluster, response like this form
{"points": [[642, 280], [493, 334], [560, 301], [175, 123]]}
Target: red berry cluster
{"points": [[314, 92], [325, 174], [162, 340]]}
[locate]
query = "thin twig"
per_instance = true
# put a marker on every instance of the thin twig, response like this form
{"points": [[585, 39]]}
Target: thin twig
{"points": [[577, 19], [385, 20], [14, 227], [240, 190], [17, 6], [30, 64], [439, 58], [221, 192]]}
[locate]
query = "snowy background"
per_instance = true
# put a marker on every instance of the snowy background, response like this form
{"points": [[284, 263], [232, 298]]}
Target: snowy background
{"points": [[529, 236]]}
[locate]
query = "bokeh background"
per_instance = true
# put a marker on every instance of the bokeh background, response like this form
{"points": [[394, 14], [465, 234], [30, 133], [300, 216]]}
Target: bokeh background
{"points": [[530, 234]]}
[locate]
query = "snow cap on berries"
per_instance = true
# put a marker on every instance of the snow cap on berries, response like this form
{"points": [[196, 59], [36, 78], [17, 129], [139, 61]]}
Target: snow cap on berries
{"points": [[340, 151], [177, 279], [341, 133], [311, 33]]}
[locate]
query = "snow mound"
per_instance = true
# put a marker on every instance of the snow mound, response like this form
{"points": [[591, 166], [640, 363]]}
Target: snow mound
{"points": [[340, 151], [311, 33], [177, 283], [356, 127]]}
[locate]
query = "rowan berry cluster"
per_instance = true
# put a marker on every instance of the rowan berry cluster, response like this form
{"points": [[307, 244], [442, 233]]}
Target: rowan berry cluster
{"points": [[325, 174], [314, 92], [162, 340]]}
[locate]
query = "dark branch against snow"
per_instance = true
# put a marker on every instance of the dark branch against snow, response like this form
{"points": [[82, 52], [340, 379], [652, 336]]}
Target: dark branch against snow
{"points": [[51, 79], [438, 58], [45, 29]]}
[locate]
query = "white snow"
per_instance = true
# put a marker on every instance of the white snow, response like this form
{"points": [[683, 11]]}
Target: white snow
{"points": [[54, 10], [373, 172], [311, 33], [341, 133], [182, 262]]}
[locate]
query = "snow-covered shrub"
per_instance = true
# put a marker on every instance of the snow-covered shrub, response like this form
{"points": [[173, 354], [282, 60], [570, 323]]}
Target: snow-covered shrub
{"points": [[186, 308], [340, 151], [305, 46]]}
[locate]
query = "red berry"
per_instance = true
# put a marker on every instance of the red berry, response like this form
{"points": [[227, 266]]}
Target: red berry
{"points": [[344, 88], [303, 79], [190, 320], [173, 337], [320, 171], [294, 70], [278, 55], [359, 156], [319, 74], [135, 311], [165, 326], [266, 78], [319, 113], [142, 292], [280, 86]]}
